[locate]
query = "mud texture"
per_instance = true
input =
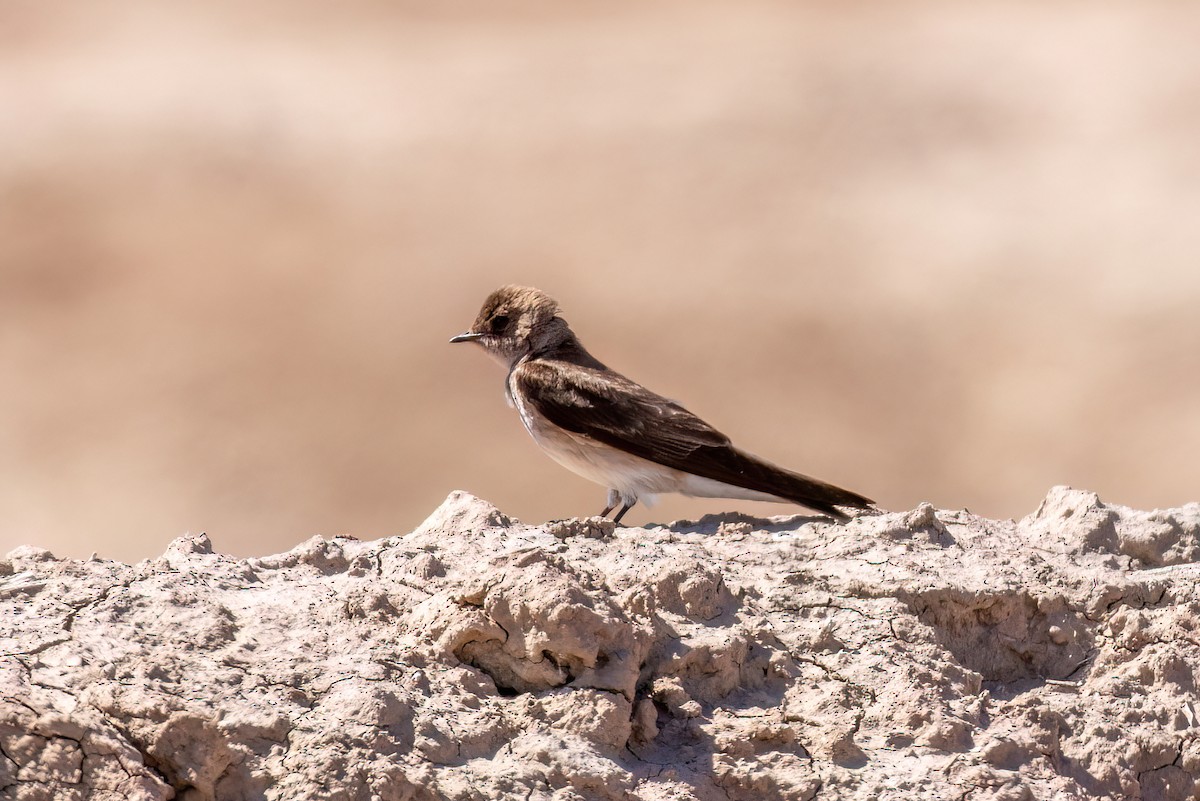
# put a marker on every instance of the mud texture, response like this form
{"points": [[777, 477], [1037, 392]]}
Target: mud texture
{"points": [[918, 655]]}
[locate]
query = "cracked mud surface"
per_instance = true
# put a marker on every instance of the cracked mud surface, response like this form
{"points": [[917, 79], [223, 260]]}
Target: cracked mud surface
{"points": [[926, 654]]}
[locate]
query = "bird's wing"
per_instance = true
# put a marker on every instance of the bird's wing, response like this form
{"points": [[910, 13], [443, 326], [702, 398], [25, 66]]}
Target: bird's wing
{"points": [[609, 408]]}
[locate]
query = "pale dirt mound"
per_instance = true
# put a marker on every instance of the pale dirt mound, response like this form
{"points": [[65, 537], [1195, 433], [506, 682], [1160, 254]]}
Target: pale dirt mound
{"points": [[927, 654]]}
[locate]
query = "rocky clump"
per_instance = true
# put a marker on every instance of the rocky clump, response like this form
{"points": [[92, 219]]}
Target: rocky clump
{"points": [[927, 654]]}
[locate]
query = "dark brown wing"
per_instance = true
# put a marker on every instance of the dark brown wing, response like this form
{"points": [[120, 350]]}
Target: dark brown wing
{"points": [[611, 409]]}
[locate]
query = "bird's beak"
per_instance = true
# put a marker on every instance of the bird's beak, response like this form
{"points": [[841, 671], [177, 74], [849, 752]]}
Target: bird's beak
{"points": [[467, 336]]}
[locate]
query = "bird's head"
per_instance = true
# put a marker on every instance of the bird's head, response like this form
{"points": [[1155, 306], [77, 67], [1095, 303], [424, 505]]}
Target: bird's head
{"points": [[516, 321]]}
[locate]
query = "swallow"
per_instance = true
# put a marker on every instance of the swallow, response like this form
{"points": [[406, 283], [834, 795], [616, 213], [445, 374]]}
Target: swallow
{"points": [[615, 432]]}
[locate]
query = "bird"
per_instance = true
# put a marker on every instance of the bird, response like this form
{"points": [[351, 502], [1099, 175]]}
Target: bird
{"points": [[615, 432]]}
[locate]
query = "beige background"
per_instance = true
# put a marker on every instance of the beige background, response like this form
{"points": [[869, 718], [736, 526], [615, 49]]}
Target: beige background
{"points": [[935, 251]]}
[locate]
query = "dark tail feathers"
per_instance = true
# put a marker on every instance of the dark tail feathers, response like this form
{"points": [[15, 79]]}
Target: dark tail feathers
{"points": [[763, 476]]}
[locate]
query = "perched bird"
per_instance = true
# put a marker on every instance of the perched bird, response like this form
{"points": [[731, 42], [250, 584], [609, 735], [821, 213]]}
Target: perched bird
{"points": [[615, 432]]}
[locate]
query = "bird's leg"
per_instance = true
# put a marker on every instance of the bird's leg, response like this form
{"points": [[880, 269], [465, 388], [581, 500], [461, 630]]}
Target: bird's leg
{"points": [[612, 503], [625, 507]]}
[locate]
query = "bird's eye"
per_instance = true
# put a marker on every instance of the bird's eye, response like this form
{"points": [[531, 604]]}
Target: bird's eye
{"points": [[500, 322]]}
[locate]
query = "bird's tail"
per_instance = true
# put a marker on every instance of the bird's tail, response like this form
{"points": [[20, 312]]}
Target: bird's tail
{"points": [[762, 476]]}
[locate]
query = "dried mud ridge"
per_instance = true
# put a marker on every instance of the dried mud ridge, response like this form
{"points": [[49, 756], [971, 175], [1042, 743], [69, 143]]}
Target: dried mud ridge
{"points": [[927, 654]]}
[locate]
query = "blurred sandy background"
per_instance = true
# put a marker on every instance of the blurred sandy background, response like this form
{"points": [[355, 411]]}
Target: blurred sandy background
{"points": [[939, 251]]}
